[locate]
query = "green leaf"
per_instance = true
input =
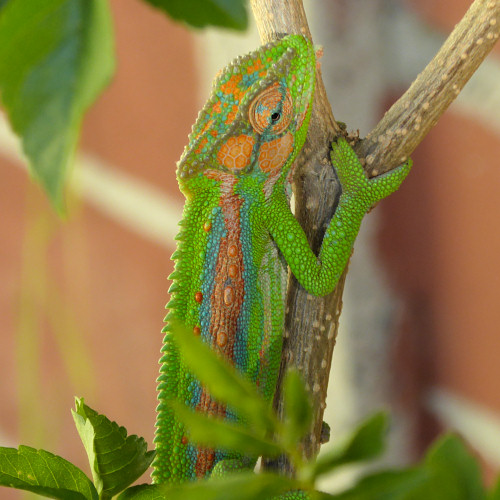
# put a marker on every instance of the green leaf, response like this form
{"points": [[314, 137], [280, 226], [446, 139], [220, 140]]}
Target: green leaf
{"points": [[298, 410], [144, 492], [55, 58], [455, 471], [217, 433], [201, 13], [44, 473], [248, 486], [223, 382], [365, 442], [388, 485], [494, 494], [116, 460]]}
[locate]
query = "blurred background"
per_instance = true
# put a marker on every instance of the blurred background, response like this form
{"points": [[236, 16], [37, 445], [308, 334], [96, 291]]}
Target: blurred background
{"points": [[81, 299]]}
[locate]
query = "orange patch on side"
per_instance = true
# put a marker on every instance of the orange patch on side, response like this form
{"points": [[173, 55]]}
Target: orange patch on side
{"points": [[231, 85], [236, 152], [230, 118], [275, 153], [256, 66]]}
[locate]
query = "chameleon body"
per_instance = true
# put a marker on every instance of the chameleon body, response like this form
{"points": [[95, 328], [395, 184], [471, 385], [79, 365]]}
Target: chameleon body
{"points": [[238, 235]]}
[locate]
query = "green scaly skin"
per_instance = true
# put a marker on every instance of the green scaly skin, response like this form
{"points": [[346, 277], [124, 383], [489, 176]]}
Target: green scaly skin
{"points": [[238, 235]]}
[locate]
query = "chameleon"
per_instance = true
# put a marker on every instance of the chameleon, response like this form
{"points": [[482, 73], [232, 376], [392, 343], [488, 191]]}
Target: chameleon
{"points": [[238, 236]]}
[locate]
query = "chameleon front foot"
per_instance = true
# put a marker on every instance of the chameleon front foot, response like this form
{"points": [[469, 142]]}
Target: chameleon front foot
{"points": [[355, 184]]}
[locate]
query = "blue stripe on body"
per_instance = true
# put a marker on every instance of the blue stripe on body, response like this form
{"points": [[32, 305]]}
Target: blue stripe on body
{"points": [[207, 284]]}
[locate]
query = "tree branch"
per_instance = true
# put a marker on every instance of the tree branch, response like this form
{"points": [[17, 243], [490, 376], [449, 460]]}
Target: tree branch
{"points": [[409, 120]]}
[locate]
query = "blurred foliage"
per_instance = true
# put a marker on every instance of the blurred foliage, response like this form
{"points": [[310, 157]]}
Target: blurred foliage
{"points": [[48, 312], [57, 56], [55, 59], [201, 13], [448, 472]]}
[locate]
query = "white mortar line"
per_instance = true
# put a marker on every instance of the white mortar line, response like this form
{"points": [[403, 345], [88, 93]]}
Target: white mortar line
{"points": [[478, 425], [140, 207]]}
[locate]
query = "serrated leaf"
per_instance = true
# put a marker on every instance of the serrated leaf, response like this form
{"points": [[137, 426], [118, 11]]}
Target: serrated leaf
{"points": [[298, 410], [241, 485], [365, 442], [55, 58], [455, 471], [387, 485], [116, 460], [217, 433], [44, 473], [223, 382], [201, 13]]}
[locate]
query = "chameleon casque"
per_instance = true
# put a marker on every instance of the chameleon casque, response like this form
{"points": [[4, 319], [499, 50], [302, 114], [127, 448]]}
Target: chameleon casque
{"points": [[238, 235]]}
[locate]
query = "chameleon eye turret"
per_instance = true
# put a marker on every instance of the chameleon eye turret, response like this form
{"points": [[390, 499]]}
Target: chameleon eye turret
{"points": [[256, 99]]}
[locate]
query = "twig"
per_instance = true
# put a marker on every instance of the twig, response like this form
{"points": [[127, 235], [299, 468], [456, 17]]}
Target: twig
{"points": [[409, 120]]}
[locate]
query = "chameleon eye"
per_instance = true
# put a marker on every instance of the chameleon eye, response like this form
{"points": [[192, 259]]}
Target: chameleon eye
{"points": [[271, 110]]}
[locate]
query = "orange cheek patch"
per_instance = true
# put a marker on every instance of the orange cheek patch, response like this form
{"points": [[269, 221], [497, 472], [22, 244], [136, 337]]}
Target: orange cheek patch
{"points": [[275, 153], [236, 152]]}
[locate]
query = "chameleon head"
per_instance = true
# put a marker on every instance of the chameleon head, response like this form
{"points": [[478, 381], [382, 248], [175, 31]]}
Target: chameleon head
{"points": [[256, 119]]}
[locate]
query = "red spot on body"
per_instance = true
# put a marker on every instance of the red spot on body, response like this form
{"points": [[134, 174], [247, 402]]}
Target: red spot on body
{"points": [[221, 339], [232, 270], [232, 251], [184, 440], [228, 295], [207, 226], [197, 330], [198, 296]]}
